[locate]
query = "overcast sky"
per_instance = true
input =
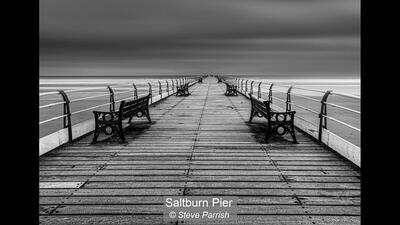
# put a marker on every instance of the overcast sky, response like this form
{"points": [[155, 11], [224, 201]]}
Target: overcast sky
{"points": [[296, 38]]}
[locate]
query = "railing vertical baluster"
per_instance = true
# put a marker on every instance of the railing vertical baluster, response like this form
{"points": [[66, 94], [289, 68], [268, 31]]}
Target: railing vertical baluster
{"points": [[67, 119], [173, 88], [241, 86], [112, 102], [159, 89], [135, 95], [323, 112], [259, 91], [166, 81], [150, 92], [251, 87], [245, 90], [288, 99], [270, 93], [236, 83]]}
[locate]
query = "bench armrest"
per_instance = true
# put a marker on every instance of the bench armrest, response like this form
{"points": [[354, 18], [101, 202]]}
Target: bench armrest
{"points": [[283, 116], [105, 112], [106, 116], [283, 113]]}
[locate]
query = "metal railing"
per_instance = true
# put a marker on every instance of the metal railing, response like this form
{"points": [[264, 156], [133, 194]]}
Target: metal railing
{"points": [[67, 115], [243, 88]]}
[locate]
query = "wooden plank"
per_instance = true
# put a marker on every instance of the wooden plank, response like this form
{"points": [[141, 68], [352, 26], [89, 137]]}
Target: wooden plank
{"points": [[44, 185], [242, 209], [158, 220]]}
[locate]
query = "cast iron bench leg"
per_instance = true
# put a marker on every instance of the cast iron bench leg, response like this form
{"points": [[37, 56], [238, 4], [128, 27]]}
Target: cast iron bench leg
{"points": [[147, 114], [293, 133], [252, 113], [96, 134], [267, 133], [121, 132]]}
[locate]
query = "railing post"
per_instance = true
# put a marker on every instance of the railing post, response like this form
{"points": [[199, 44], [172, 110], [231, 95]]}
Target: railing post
{"points": [[135, 96], [166, 81], [288, 99], [173, 88], [270, 93], [251, 87], [322, 114], [150, 92], [112, 102], [241, 85], [159, 89], [67, 120], [176, 80], [259, 90], [245, 90]]}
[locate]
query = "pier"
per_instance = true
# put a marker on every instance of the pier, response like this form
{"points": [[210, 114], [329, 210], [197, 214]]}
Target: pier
{"points": [[201, 144]]}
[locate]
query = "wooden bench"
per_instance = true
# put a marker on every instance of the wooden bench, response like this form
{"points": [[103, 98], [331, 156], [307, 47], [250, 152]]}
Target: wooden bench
{"points": [[183, 90], [230, 89], [111, 122], [279, 123]]}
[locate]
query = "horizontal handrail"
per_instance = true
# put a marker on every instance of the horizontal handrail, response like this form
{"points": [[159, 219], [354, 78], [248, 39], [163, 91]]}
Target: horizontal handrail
{"points": [[305, 108], [83, 89], [279, 99], [89, 97], [346, 95], [124, 99], [51, 104], [308, 89], [342, 107], [48, 93], [305, 97], [341, 122], [280, 91], [51, 119], [90, 108]]}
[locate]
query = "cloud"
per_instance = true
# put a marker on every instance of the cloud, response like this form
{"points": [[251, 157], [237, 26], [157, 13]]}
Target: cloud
{"points": [[186, 35]]}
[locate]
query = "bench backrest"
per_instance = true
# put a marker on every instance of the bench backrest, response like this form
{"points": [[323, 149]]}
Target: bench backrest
{"points": [[229, 86], [262, 107], [183, 87], [131, 107]]}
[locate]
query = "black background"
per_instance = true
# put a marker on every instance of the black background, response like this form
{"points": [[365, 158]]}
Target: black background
{"points": [[380, 131]]}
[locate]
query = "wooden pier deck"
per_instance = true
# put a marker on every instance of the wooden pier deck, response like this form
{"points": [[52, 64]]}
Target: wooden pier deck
{"points": [[198, 145]]}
